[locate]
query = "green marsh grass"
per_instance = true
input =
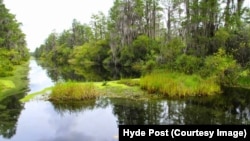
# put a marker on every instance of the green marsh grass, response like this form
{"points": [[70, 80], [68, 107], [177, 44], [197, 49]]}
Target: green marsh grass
{"points": [[177, 84], [73, 91]]}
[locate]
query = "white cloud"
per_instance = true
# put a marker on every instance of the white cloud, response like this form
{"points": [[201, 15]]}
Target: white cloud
{"points": [[41, 17]]}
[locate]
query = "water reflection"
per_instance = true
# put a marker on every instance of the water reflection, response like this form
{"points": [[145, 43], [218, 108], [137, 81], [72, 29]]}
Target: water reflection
{"points": [[86, 73], [38, 78], [228, 108], [74, 107], [10, 106], [98, 120], [10, 109], [232, 107], [41, 122]]}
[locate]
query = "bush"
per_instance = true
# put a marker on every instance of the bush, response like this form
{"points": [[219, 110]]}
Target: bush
{"points": [[221, 66], [188, 64]]}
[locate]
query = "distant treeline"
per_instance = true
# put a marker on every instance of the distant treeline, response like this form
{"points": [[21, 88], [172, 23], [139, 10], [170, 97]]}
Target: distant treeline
{"points": [[204, 37]]}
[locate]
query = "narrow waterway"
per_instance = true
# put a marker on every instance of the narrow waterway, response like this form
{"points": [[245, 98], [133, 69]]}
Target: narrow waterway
{"points": [[98, 120], [38, 77], [42, 121]]}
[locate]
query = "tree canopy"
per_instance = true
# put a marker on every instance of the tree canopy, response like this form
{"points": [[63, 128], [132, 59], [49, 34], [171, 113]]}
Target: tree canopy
{"points": [[13, 48], [179, 35]]}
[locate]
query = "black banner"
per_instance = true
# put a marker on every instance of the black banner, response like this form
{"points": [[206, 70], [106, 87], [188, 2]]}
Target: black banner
{"points": [[184, 132]]}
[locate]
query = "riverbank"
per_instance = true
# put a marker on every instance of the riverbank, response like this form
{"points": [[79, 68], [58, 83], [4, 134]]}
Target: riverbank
{"points": [[154, 85], [16, 83], [157, 84], [151, 86], [111, 89]]}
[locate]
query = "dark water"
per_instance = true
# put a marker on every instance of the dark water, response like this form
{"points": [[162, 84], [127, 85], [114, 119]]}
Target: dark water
{"points": [[83, 73], [98, 120]]}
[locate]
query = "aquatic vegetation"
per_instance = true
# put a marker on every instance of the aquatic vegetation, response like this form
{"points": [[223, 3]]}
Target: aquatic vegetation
{"points": [[80, 91], [121, 89], [178, 84], [73, 91], [44, 93]]}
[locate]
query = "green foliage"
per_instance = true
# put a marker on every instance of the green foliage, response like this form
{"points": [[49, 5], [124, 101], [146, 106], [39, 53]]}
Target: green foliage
{"points": [[244, 78], [222, 66], [127, 57], [99, 26], [141, 47], [6, 69], [100, 51], [134, 36], [60, 55], [81, 55], [149, 66], [244, 81], [221, 36], [11, 36], [89, 54], [137, 52], [188, 64], [171, 50], [238, 45], [16, 83], [13, 49], [9, 58], [12, 88]]}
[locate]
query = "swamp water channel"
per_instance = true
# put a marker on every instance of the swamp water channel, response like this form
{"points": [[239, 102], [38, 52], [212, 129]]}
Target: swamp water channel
{"points": [[98, 120]]}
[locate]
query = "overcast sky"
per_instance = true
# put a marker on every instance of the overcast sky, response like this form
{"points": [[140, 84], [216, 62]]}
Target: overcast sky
{"points": [[41, 17]]}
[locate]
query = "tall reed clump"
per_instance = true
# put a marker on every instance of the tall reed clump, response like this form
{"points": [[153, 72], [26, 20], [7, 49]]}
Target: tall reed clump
{"points": [[177, 84], [73, 91]]}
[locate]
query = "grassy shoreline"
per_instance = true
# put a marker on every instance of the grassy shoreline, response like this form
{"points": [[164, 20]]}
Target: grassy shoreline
{"points": [[15, 84]]}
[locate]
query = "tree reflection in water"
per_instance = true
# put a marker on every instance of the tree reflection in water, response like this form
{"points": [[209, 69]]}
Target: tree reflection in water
{"points": [[10, 109], [227, 108]]}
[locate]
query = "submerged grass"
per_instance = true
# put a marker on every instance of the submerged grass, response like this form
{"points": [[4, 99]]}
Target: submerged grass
{"points": [[73, 91], [31, 96], [128, 88], [174, 84]]}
